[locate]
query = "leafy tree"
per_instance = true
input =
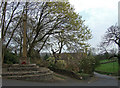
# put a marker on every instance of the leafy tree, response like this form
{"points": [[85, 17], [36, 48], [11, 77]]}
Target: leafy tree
{"points": [[72, 33]]}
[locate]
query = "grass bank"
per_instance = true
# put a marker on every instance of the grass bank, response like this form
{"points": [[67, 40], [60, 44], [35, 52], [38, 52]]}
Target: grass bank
{"points": [[108, 67]]}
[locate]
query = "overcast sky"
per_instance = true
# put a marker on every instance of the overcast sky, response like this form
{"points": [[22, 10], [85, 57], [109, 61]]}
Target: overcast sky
{"points": [[98, 15]]}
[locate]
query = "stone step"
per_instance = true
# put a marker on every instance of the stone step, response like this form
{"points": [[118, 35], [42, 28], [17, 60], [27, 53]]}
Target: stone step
{"points": [[21, 73], [18, 65], [46, 76], [23, 68], [26, 72]]}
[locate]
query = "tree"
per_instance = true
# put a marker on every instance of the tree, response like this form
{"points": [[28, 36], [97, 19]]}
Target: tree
{"points": [[71, 33], [103, 50], [54, 22], [48, 23], [113, 36], [9, 22]]}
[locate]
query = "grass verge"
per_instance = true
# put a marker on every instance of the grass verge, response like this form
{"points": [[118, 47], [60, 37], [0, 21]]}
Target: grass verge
{"points": [[108, 67], [59, 76]]}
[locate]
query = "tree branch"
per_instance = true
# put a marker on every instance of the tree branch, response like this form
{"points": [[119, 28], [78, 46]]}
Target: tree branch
{"points": [[11, 18]]}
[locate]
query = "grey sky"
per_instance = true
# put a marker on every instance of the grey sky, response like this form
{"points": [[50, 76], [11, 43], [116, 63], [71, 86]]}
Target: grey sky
{"points": [[98, 15]]}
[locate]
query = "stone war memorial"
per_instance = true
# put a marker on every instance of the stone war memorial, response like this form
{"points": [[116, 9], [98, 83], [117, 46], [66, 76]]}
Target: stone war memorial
{"points": [[25, 70], [49, 43]]}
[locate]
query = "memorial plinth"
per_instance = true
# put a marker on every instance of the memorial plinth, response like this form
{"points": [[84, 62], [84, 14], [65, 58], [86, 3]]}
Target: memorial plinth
{"points": [[26, 72]]}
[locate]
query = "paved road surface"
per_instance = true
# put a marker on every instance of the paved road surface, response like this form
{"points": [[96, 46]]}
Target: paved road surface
{"points": [[98, 80]]}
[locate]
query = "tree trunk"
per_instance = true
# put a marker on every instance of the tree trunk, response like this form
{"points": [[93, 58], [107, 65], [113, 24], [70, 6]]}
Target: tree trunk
{"points": [[3, 21], [3, 29], [61, 46], [1, 51]]}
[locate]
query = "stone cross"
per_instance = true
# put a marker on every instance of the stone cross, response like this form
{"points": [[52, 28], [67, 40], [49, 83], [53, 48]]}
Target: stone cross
{"points": [[24, 58], [24, 38]]}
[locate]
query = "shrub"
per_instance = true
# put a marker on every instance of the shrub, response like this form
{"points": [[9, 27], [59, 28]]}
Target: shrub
{"points": [[72, 60], [10, 58], [40, 62], [87, 64], [61, 64], [51, 61], [72, 67]]}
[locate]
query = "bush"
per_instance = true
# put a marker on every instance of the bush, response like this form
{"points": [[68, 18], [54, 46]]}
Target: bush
{"points": [[72, 66], [61, 64], [87, 64], [37, 61], [51, 62], [71, 61], [10, 58]]}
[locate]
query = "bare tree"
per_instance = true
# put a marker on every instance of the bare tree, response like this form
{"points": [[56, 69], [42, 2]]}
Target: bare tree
{"points": [[9, 21], [47, 22], [112, 35]]}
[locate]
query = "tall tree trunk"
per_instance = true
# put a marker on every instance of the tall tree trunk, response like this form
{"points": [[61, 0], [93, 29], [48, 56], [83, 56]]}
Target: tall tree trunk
{"points": [[3, 28]]}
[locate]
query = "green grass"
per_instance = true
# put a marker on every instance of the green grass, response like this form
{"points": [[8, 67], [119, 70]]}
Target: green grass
{"points": [[106, 60], [59, 76], [108, 67]]}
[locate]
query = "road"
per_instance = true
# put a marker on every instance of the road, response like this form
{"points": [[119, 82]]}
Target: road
{"points": [[98, 80]]}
